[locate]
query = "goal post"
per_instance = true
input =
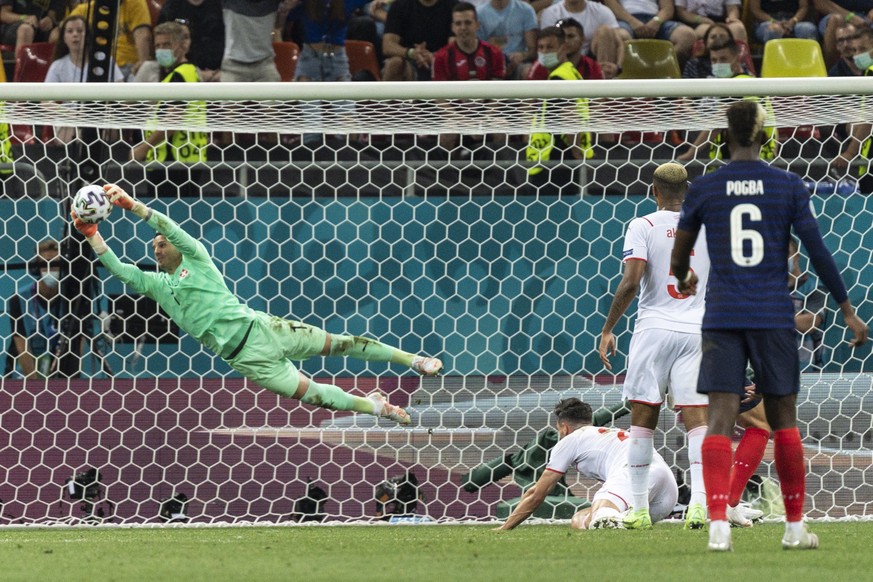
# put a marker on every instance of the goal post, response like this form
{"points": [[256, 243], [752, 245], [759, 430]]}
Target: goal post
{"points": [[339, 205]]}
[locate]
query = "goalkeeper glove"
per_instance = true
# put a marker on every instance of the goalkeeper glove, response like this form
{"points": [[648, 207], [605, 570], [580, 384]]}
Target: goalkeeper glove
{"points": [[119, 197], [87, 230]]}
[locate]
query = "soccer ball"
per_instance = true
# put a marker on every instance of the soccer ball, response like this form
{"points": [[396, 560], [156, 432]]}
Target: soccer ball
{"points": [[91, 204]]}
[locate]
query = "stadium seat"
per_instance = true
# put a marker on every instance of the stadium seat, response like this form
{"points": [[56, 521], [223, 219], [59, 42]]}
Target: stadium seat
{"points": [[362, 57], [32, 62], [649, 59], [286, 58], [793, 57]]}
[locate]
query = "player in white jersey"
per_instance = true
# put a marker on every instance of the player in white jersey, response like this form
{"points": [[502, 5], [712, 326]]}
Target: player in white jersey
{"points": [[665, 348], [596, 453]]}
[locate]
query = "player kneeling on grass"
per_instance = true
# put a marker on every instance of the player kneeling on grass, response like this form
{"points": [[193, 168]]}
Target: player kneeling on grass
{"points": [[192, 291], [597, 453]]}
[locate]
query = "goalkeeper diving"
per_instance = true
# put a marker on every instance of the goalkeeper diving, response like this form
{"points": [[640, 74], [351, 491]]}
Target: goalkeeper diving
{"points": [[191, 290]]}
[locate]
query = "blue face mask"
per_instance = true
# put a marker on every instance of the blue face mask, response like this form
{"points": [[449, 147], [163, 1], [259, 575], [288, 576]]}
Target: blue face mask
{"points": [[51, 279], [722, 70], [548, 60], [165, 57], [863, 60]]}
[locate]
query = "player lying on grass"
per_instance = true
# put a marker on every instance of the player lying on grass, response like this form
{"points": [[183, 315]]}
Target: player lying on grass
{"points": [[192, 291], [601, 454]]}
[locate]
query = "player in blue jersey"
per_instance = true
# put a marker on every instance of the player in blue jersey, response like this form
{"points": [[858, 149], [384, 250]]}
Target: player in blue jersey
{"points": [[748, 209]]}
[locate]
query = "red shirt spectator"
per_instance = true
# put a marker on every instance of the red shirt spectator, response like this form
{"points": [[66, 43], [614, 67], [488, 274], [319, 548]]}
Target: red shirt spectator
{"points": [[451, 63]]}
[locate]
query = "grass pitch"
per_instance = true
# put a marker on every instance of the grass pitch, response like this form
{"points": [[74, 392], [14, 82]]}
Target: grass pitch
{"points": [[422, 553]]}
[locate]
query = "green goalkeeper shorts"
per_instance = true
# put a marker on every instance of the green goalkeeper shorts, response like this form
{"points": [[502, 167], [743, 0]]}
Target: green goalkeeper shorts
{"points": [[272, 343]]}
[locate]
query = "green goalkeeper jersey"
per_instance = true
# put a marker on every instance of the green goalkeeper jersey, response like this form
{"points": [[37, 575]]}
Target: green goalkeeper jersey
{"points": [[195, 296]]}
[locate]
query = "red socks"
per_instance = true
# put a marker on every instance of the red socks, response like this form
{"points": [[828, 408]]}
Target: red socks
{"points": [[747, 457], [791, 468], [717, 455]]}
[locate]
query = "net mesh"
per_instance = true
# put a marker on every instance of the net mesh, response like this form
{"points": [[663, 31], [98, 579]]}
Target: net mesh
{"points": [[345, 211]]}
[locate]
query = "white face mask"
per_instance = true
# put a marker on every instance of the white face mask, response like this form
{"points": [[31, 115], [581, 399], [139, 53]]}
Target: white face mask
{"points": [[51, 278], [165, 57], [722, 70], [548, 60], [863, 60]]}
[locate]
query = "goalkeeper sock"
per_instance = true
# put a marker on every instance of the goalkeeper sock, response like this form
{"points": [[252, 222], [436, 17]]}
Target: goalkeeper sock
{"points": [[695, 464], [747, 457], [791, 468], [639, 459], [335, 398], [716, 453], [369, 350]]}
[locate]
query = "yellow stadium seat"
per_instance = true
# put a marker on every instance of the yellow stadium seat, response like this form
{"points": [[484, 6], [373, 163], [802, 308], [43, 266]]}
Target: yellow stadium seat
{"points": [[649, 59], [793, 57]]}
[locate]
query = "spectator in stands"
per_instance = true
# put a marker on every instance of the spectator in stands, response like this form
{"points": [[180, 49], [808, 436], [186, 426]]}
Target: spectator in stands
{"points": [[248, 40], [414, 31], [35, 314], [323, 56], [71, 54], [68, 63], [466, 58], [133, 35], [725, 62], [700, 66], [782, 19], [601, 31], [512, 26], [845, 36], [188, 147], [809, 310], [574, 39], [544, 146], [26, 21], [206, 25], [700, 14], [833, 12], [859, 140], [653, 19]]}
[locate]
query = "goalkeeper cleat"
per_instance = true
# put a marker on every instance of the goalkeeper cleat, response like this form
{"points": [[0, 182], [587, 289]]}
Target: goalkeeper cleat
{"points": [[638, 519], [720, 536], [695, 516], [384, 409], [427, 366], [805, 540], [743, 515]]}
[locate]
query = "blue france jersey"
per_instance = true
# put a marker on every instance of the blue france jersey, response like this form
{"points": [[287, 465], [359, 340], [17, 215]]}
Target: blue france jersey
{"points": [[748, 209]]}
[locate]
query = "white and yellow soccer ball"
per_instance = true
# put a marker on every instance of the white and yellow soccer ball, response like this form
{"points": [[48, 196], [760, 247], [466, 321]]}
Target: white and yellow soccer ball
{"points": [[91, 204]]}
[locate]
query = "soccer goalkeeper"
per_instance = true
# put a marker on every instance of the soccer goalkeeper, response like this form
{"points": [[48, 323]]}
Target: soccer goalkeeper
{"points": [[192, 291]]}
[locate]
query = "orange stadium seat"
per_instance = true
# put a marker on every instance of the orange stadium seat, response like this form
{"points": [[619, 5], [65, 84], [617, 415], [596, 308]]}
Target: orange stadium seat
{"points": [[287, 53], [32, 62], [362, 57]]}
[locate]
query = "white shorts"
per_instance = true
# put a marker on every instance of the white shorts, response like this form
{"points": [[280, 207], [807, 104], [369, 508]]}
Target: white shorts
{"points": [[663, 491], [659, 359]]}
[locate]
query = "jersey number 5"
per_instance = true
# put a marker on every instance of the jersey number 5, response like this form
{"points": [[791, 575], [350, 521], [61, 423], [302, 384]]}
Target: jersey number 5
{"points": [[740, 236]]}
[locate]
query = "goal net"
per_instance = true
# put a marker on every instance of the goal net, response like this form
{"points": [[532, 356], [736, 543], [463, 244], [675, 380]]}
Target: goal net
{"points": [[478, 222]]}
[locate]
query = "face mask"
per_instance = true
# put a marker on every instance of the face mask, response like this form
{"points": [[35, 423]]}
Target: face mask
{"points": [[548, 60], [165, 57], [51, 278], [863, 60], [722, 70]]}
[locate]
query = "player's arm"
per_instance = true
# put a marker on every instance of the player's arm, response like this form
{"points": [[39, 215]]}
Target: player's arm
{"points": [[184, 242], [827, 270], [624, 295], [128, 274], [532, 499], [680, 261]]}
